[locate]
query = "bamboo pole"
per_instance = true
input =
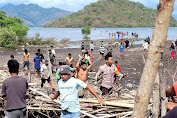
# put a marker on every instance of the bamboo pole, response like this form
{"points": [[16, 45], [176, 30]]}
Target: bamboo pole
{"points": [[157, 45]]}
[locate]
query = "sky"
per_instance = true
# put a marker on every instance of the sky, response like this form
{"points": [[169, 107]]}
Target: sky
{"points": [[75, 5]]}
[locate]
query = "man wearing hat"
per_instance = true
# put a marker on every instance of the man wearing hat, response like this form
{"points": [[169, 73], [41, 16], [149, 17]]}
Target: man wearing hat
{"points": [[45, 74], [68, 92]]}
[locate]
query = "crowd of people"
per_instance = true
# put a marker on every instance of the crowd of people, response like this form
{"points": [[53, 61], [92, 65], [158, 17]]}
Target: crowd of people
{"points": [[70, 77]]}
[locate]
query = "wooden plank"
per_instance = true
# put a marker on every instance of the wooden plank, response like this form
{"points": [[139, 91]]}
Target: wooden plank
{"points": [[118, 114], [42, 108], [110, 103]]}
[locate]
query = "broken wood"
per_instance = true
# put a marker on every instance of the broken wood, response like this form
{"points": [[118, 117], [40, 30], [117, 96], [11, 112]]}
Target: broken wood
{"points": [[156, 48], [57, 101], [156, 97], [163, 97], [127, 105]]}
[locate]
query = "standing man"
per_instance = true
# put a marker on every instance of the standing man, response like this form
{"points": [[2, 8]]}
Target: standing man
{"points": [[101, 52], [82, 48], [146, 46], [45, 74], [108, 70], [26, 59], [127, 43], [109, 49], [40, 54], [53, 52], [122, 50], [68, 92], [70, 61], [14, 91], [91, 47], [37, 64], [52, 58]]}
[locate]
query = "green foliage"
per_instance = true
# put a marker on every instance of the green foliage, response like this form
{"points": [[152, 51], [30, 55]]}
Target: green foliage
{"points": [[86, 30], [111, 13], [38, 40], [11, 31], [64, 40]]}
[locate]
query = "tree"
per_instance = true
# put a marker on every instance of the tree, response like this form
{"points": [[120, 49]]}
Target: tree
{"points": [[12, 31], [86, 31], [156, 49]]}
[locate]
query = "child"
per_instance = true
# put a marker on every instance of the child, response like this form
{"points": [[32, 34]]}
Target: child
{"points": [[122, 50]]}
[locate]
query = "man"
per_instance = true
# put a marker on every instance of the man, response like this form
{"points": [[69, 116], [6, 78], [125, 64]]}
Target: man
{"points": [[108, 74], [172, 106], [45, 74], [58, 70], [14, 91], [40, 54], [81, 69], [68, 92], [102, 50], [11, 57], [127, 43], [37, 64], [53, 52], [70, 61], [109, 49], [52, 58], [91, 47], [146, 46], [26, 59], [82, 47], [122, 50]]}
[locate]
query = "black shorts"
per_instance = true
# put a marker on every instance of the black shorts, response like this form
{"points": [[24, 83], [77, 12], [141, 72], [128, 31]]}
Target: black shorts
{"points": [[105, 90], [37, 70], [43, 80], [101, 53], [91, 49]]}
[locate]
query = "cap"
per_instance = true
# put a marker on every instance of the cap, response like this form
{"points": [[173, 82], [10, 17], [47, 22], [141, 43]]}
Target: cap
{"points": [[65, 69]]}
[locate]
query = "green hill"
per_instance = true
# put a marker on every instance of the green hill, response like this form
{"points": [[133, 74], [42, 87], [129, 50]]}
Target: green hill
{"points": [[111, 13], [34, 15]]}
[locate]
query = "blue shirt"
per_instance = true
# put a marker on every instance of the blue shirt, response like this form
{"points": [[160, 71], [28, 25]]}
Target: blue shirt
{"points": [[37, 63], [121, 48], [69, 94]]}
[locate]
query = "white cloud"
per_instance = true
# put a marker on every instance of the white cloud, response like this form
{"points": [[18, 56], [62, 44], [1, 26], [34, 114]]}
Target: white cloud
{"points": [[72, 5]]}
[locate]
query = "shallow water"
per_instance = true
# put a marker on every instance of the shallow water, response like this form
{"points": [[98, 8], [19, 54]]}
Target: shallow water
{"points": [[74, 34]]}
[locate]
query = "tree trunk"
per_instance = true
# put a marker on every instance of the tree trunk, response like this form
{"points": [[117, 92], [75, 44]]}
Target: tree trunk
{"points": [[156, 97], [157, 45]]}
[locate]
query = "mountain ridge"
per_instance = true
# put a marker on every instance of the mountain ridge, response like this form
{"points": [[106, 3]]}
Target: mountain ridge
{"points": [[111, 13], [34, 15]]}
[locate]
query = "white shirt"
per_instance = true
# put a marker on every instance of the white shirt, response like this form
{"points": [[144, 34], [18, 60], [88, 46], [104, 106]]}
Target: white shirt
{"points": [[44, 71], [145, 45], [53, 51], [91, 46]]}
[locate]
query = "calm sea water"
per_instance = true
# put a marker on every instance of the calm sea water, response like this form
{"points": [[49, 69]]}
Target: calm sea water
{"points": [[75, 34]]}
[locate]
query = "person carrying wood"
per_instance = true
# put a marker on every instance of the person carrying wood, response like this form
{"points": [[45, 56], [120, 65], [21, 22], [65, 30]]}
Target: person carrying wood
{"points": [[14, 91], [68, 92]]}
